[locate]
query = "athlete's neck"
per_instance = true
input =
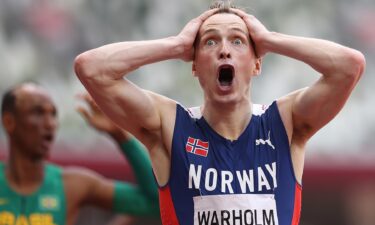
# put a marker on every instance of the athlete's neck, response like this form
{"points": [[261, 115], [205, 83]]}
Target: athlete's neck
{"points": [[24, 174], [228, 120]]}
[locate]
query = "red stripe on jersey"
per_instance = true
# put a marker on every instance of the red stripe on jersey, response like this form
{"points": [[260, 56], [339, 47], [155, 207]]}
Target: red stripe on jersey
{"points": [[297, 205], [167, 212]]}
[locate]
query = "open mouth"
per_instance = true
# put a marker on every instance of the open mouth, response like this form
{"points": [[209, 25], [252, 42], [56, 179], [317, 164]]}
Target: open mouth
{"points": [[48, 137], [46, 142], [226, 74]]}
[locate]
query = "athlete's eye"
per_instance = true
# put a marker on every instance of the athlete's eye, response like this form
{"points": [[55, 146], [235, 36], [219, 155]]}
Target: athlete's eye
{"points": [[210, 42], [237, 41]]}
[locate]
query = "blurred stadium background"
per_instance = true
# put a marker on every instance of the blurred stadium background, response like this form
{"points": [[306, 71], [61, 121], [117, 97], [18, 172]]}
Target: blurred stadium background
{"points": [[39, 40]]}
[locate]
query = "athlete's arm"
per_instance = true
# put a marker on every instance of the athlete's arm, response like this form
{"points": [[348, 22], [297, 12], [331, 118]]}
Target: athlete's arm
{"points": [[132, 149], [150, 117], [137, 156], [340, 67], [307, 110], [101, 70], [85, 187]]}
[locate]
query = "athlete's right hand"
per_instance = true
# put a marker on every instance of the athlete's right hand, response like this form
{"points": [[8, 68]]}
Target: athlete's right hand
{"points": [[188, 34]]}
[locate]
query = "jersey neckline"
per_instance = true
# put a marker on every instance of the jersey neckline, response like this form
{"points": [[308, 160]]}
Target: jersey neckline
{"points": [[14, 192]]}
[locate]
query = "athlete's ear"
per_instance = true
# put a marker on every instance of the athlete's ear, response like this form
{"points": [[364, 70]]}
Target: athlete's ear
{"points": [[8, 122], [258, 66]]}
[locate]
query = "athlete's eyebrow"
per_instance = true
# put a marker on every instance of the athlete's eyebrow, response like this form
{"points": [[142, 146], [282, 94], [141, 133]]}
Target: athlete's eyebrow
{"points": [[210, 30], [239, 30], [214, 30], [206, 32]]}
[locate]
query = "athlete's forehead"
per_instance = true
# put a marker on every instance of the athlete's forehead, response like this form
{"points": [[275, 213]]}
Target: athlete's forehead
{"points": [[29, 96], [220, 21]]}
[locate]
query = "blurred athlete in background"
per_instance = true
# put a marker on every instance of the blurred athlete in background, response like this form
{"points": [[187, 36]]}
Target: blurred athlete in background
{"points": [[35, 192]]}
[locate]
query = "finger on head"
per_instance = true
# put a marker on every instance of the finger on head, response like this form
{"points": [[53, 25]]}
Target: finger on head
{"points": [[208, 13], [238, 12]]}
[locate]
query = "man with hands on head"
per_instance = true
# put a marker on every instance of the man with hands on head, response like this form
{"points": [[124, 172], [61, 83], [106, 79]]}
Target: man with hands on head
{"points": [[33, 191], [229, 161]]}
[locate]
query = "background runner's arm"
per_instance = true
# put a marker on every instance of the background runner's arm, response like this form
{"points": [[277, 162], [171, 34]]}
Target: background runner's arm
{"points": [[139, 160], [86, 187], [132, 149], [129, 199]]}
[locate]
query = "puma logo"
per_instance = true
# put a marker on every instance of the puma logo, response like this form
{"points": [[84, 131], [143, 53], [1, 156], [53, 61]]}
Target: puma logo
{"points": [[263, 142]]}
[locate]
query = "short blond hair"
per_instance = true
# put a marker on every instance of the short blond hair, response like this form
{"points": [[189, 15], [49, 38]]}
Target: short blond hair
{"points": [[224, 6]]}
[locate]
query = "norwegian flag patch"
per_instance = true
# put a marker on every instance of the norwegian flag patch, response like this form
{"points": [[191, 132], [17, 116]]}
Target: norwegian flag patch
{"points": [[197, 146]]}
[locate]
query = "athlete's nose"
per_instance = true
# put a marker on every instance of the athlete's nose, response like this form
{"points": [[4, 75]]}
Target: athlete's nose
{"points": [[224, 51], [51, 122]]}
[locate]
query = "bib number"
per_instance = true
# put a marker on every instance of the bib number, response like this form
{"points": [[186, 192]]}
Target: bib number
{"points": [[235, 209]]}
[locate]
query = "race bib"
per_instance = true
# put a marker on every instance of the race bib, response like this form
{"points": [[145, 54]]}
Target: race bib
{"points": [[235, 209]]}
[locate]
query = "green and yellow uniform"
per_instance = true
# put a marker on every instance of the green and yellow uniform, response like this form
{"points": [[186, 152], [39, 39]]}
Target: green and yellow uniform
{"points": [[46, 206]]}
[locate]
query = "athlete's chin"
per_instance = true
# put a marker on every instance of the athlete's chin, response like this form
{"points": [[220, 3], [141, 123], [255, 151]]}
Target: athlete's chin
{"points": [[229, 99], [40, 157], [42, 153], [225, 97]]}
